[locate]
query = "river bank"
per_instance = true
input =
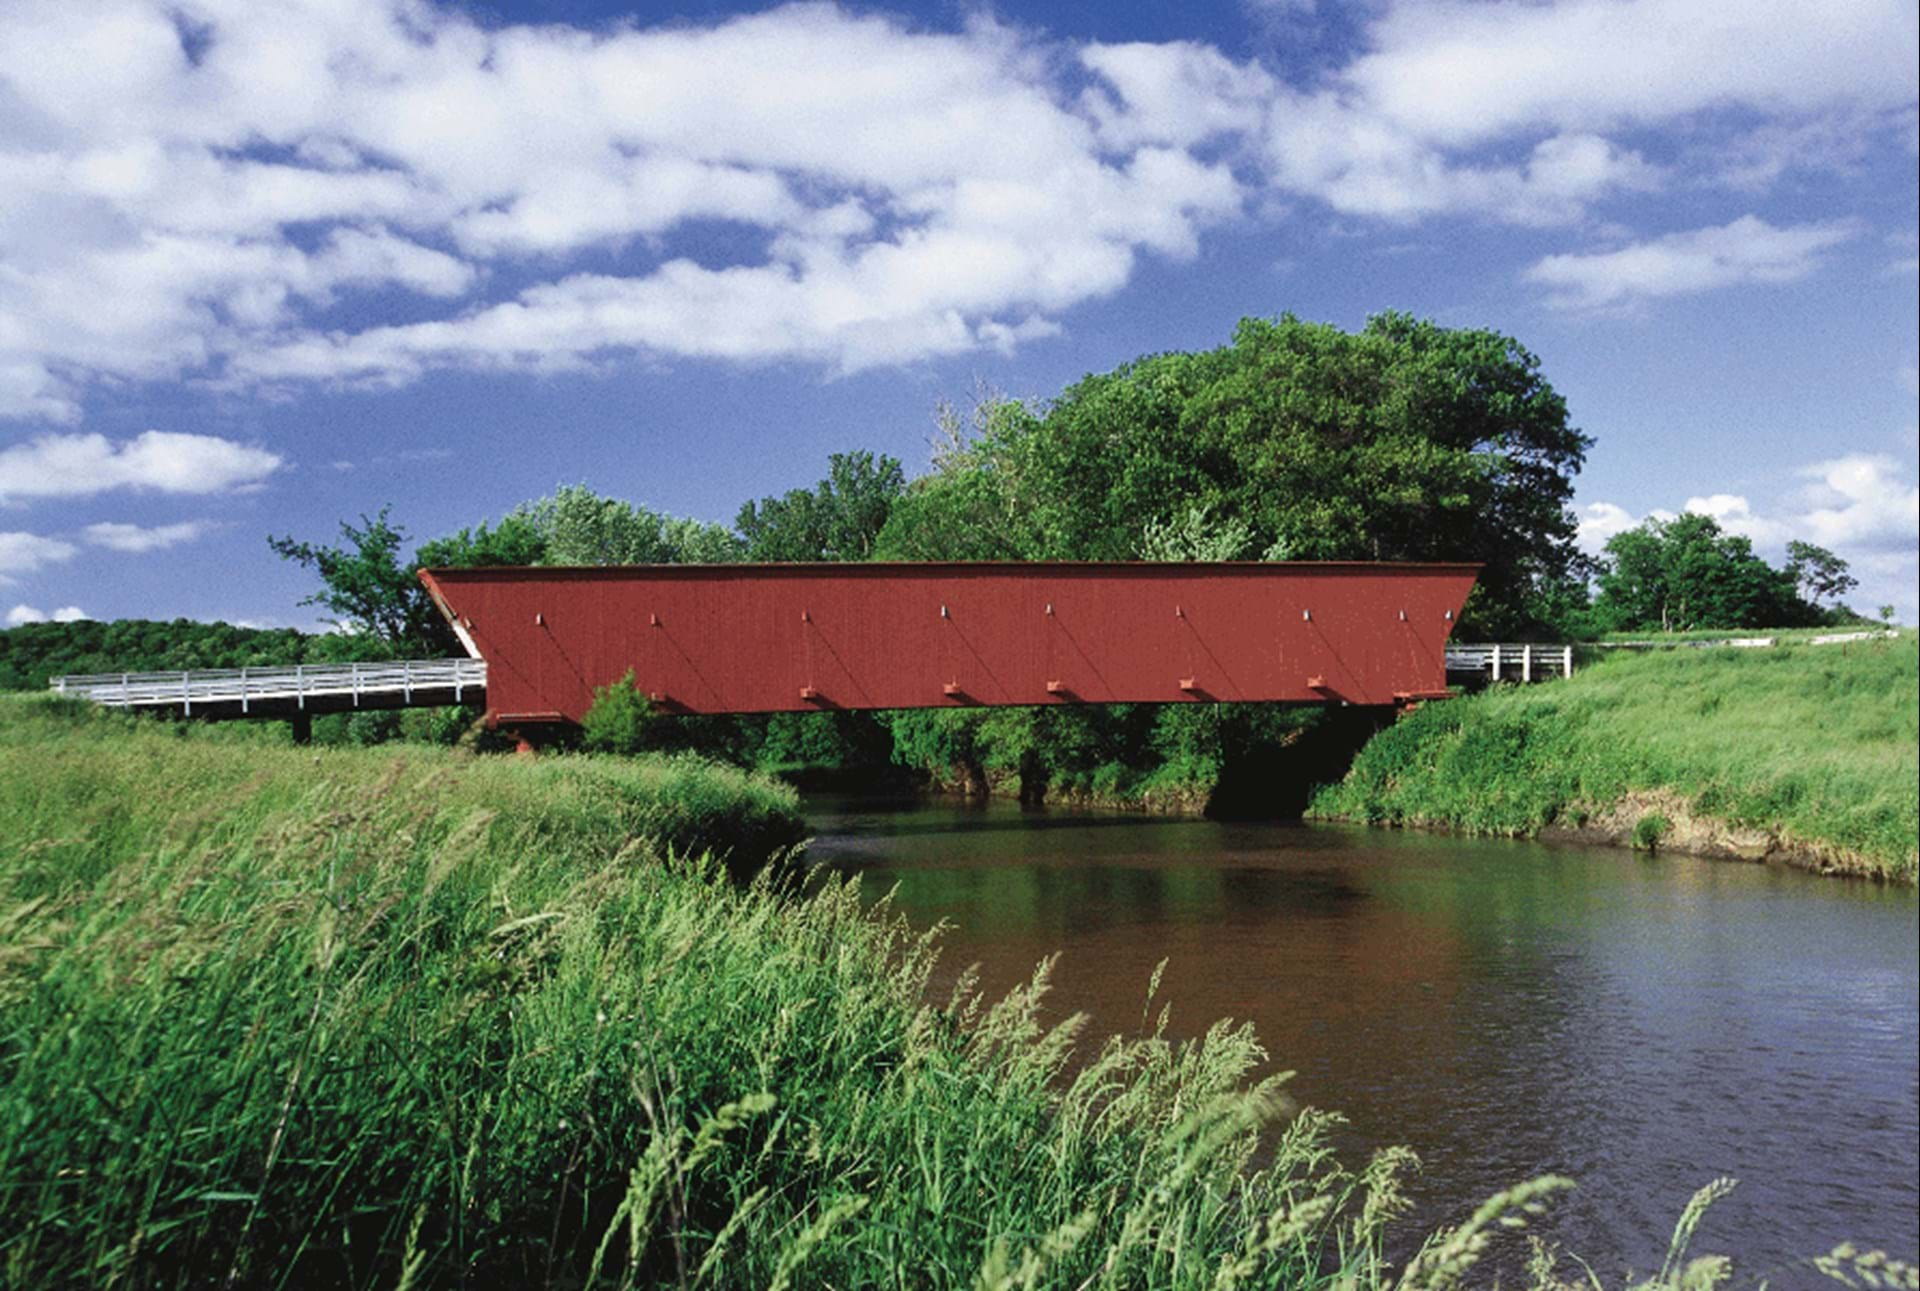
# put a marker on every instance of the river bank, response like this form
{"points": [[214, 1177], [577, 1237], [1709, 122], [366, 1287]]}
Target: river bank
{"points": [[1804, 755]]}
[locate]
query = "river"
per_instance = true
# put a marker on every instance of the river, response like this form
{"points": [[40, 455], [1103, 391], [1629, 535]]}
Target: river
{"points": [[1507, 1009]]}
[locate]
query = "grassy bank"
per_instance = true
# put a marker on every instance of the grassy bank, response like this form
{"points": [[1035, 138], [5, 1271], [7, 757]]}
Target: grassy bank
{"points": [[272, 1017], [1805, 753]]}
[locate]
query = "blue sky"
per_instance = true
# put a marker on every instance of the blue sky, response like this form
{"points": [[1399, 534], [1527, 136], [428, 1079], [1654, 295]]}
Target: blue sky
{"points": [[266, 266]]}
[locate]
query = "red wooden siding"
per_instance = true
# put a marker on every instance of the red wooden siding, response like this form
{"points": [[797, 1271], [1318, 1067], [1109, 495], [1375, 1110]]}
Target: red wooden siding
{"points": [[765, 638]]}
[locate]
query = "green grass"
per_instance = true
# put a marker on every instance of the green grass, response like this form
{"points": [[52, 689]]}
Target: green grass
{"points": [[284, 1017], [1817, 744], [276, 1017]]}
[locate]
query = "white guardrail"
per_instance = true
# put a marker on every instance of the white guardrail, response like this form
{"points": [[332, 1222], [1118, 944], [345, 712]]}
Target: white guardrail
{"points": [[1512, 662], [1752, 643], [247, 686]]}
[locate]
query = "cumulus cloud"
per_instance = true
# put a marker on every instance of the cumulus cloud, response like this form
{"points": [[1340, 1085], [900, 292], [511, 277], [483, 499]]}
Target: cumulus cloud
{"points": [[1862, 500], [136, 540], [1362, 164], [244, 204], [912, 192], [1405, 129], [28, 614], [1736, 516], [25, 553], [1178, 94], [1599, 521], [79, 465], [1459, 72], [1749, 250]]}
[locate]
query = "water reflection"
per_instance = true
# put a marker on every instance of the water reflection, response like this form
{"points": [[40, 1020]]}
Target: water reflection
{"points": [[1507, 1008]]}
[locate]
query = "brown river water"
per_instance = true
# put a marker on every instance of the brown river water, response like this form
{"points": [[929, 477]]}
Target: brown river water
{"points": [[1642, 1024]]}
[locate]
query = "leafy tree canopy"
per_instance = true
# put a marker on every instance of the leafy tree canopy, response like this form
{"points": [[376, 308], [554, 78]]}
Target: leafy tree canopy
{"points": [[364, 585], [1675, 575], [372, 592], [580, 527], [1818, 573], [837, 520], [375, 595], [1403, 441]]}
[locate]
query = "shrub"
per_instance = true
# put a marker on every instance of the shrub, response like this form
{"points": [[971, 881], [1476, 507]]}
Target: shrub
{"points": [[619, 719], [1649, 830]]}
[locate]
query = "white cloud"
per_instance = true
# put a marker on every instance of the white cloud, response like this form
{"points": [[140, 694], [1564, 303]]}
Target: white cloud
{"points": [[135, 539], [1363, 164], [1862, 500], [1405, 129], [914, 192], [1176, 94], [1599, 521], [987, 247], [889, 191], [28, 614], [1833, 143], [24, 553], [1749, 250], [1736, 516], [80, 465], [1459, 72]]}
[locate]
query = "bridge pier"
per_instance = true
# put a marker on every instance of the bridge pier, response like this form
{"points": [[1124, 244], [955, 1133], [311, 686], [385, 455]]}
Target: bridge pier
{"points": [[301, 724]]}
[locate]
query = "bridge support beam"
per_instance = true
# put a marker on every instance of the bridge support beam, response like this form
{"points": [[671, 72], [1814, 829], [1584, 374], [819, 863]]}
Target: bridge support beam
{"points": [[301, 724]]}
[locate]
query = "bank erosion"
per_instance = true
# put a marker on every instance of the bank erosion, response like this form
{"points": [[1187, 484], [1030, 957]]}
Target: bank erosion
{"points": [[1804, 754]]}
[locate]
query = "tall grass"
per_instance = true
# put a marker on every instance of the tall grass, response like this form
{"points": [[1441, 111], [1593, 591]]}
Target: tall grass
{"points": [[1819, 744], [276, 1018]]}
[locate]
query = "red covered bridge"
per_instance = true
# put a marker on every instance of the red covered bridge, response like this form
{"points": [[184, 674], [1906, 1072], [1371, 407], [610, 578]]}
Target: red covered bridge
{"points": [[786, 638]]}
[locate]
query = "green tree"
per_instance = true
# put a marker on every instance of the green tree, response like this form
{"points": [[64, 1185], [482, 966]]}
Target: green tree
{"points": [[376, 597], [1197, 534], [838, 519], [365, 585], [1403, 441], [1818, 573], [511, 542], [580, 527], [1675, 575]]}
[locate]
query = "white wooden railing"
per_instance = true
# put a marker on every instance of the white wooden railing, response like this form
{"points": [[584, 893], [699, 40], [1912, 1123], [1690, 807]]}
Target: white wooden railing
{"points": [[1512, 662], [1750, 643], [331, 682]]}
